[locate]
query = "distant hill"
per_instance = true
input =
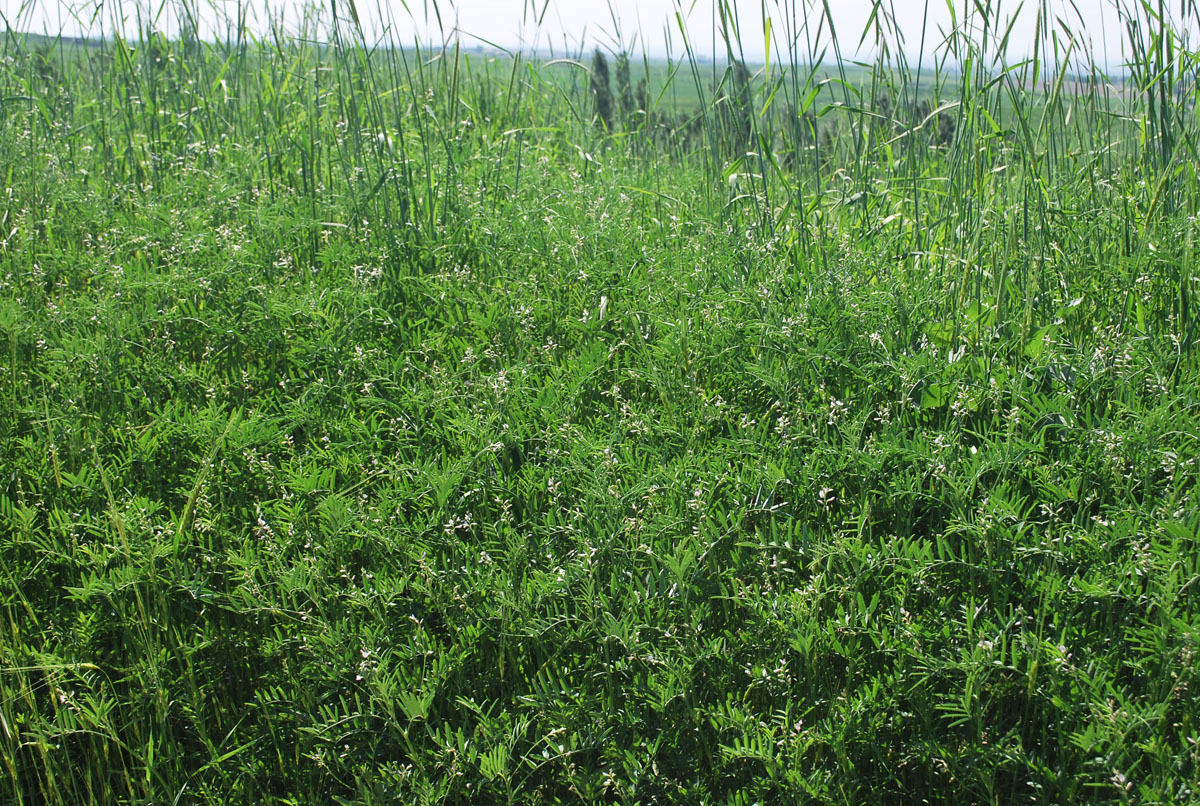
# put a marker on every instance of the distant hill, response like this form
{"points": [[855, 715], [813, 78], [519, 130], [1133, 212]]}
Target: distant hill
{"points": [[39, 40]]}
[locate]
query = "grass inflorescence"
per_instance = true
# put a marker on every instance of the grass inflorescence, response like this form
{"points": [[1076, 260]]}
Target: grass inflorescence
{"points": [[393, 425]]}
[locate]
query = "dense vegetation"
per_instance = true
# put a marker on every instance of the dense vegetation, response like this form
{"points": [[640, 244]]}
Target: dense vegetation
{"points": [[389, 426]]}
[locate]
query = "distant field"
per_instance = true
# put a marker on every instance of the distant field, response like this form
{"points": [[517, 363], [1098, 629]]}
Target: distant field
{"points": [[411, 427]]}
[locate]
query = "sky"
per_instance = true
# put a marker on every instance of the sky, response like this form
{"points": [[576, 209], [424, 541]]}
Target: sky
{"points": [[569, 27]]}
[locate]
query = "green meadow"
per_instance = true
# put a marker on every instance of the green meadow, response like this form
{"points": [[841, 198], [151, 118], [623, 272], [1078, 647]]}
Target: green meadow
{"points": [[406, 425]]}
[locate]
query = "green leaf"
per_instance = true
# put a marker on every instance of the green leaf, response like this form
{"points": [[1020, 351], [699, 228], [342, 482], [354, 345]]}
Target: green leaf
{"points": [[935, 395], [1037, 342], [981, 316], [940, 333]]}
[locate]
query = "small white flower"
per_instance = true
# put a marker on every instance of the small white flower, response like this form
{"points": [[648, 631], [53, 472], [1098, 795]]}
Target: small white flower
{"points": [[826, 498]]}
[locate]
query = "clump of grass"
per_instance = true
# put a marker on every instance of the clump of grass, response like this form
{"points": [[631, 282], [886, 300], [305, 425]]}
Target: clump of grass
{"points": [[380, 431], [602, 90]]}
